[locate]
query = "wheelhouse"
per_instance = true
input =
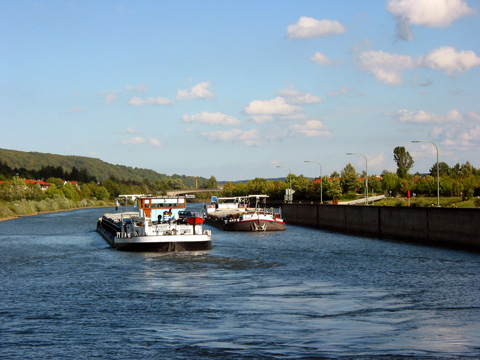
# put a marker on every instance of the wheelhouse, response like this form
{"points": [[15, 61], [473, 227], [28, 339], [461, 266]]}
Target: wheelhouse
{"points": [[153, 207]]}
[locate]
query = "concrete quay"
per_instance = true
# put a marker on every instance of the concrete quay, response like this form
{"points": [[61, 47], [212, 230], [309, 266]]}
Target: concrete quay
{"points": [[448, 227]]}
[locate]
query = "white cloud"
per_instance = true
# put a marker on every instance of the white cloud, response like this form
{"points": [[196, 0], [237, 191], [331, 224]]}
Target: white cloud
{"points": [[140, 140], [376, 160], [296, 116], [130, 130], [416, 117], [155, 142], [345, 91], [110, 98], [137, 101], [277, 106], [138, 87], [293, 96], [199, 91], [159, 101], [448, 59], [135, 140], [311, 128], [320, 59], [437, 131], [260, 119], [386, 67], [454, 116], [249, 137], [451, 131], [211, 118], [308, 27], [461, 133], [423, 117], [433, 13]]}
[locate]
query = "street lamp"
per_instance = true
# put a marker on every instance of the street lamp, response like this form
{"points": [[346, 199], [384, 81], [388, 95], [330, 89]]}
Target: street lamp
{"points": [[438, 168], [321, 179], [290, 176], [366, 173]]}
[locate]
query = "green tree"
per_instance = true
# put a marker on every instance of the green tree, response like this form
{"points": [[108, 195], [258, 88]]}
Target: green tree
{"points": [[257, 186], [349, 180], [112, 187], [404, 161], [241, 189], [176, 184], [228, 189], [102, 193], [334, 189], [457, 188], [467, 169], [211, 183], [374, 185], [53, 191], [390, 182], [426, 186], [57, 181], [86, 192], [71, 192], [302, 186], [404, 185], [443, 167]]}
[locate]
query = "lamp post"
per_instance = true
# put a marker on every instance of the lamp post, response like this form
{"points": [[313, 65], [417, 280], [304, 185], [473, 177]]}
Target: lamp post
{"points": [[290, 176], [438, 168], [321, 179], [366, 173]]}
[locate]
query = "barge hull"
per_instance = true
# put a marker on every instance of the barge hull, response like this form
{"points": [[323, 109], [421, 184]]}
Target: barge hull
{"points": [[247, 225], [160, 244]]}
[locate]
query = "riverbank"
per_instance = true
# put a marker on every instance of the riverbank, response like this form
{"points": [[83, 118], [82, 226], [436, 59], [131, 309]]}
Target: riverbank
{"points": [[20, 208]]}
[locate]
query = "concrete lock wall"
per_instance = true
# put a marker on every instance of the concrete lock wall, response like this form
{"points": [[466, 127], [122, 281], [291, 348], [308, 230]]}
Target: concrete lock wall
{"points": [[435, 226]]}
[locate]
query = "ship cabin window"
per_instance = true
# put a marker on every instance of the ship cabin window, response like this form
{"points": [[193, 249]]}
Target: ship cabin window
{"points": [[166, 203], [161, 203], [144, 203]]}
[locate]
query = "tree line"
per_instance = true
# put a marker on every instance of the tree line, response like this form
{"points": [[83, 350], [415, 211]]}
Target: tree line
{"points": [[460, 180], [76, 184], [45, 172]]}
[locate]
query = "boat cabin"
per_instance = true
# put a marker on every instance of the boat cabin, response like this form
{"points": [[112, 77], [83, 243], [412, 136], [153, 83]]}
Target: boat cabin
{"points": [[155, 207], [240, 203]]}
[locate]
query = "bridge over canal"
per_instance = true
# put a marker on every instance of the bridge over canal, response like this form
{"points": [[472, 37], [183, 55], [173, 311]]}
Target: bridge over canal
{"points": [[192, 191]]}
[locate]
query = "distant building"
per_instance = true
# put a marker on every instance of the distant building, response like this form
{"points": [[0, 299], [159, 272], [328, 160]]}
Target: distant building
{"points": [[43, 185]]}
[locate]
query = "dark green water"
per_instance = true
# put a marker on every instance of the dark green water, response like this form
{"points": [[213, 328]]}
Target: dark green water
{"points": [[297, 294]]}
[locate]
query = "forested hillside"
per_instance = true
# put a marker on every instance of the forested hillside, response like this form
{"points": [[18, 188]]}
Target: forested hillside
{"points": [[95, 167]]}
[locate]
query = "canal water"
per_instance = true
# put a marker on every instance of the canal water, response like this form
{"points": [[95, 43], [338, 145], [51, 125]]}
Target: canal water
{"points": [[297, 294]]}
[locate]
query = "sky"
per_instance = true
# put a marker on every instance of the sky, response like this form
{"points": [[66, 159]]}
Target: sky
{"points": [[242, 89]]}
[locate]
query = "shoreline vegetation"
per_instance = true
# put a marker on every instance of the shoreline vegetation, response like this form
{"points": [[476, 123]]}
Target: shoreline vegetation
{"points": [[19, 208]]}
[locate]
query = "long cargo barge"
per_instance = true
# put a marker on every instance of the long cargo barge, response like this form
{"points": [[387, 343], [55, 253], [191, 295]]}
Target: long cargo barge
{"points": [[237, 214], [160, 224]]}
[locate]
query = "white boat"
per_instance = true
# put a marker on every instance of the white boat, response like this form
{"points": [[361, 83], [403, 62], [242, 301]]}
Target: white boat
{"points": [[159, 224], [238, 214]]}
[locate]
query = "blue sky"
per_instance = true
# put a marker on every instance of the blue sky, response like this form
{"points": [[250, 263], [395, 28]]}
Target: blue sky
{"points": [[234, 88]]}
